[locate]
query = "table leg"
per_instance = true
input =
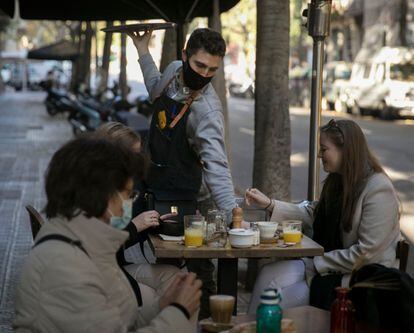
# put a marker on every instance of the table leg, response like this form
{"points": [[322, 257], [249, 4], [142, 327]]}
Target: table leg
{"points": [[227, 278]]}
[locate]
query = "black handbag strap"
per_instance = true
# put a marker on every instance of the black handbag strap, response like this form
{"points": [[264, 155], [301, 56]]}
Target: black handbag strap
{"points": [[141, 246], [62, 238], [78, 244]]}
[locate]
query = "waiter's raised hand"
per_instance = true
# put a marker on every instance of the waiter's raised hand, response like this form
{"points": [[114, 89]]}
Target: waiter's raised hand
{"points": [[141, 41]]}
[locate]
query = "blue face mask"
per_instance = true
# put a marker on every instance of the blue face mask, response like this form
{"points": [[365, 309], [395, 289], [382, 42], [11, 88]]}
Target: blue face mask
{"points": [[120, 222]]}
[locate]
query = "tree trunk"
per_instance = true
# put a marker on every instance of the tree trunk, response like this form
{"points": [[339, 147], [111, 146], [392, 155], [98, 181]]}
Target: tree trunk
{"points": [[106, 57], [271, 172], [123, 86], [219, 81], [76, 34], [169, 47], [83, 74], [403, 22], [96, 39]]}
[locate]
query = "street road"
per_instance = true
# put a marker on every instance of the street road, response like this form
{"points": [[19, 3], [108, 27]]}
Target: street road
{"points": [[391, 141]]}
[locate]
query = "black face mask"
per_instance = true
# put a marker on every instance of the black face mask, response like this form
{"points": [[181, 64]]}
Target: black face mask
{"points": [[192, 79]]}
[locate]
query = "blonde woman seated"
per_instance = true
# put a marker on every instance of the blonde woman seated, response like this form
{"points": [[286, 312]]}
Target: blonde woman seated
{"points": [[71, 281], [157, 276], [356, 220]]}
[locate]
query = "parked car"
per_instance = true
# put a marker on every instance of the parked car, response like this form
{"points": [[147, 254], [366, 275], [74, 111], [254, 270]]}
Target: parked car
{"points": [[336, 76], [382, 83], [299, 85]]}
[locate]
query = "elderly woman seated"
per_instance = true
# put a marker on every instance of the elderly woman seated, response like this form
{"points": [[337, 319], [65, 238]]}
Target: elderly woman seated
{"points": [[71, 281]]}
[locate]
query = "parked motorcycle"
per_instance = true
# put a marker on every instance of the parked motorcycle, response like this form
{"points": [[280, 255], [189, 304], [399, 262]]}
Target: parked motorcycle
{"points": [[95, 110], [59, 101], [144, 106]]}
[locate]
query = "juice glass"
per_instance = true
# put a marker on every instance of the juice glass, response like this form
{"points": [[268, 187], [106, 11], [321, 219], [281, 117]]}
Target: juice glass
{"points": [[292, 231], [194, 228]]}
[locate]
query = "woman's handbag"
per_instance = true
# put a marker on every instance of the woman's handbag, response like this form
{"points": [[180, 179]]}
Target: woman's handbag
{"points": [[383, 297], [162, 203]]}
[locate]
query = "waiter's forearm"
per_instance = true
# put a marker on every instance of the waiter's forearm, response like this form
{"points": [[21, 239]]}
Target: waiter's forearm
{"points": [[219, 182], [150, 72]]}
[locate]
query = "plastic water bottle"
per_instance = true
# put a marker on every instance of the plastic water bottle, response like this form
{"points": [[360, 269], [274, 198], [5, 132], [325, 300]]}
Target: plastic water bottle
{"points": [[269, 313]]}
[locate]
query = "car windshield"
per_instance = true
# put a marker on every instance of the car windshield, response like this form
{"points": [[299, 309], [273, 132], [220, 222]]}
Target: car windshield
{"points": [[402, 72]]}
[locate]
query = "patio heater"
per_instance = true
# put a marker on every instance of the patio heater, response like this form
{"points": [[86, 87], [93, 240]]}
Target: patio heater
{"points": [[318, 16]]}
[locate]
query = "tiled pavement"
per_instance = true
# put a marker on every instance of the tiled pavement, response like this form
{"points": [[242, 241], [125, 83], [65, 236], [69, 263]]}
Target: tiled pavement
{"points": [[28, 138]]}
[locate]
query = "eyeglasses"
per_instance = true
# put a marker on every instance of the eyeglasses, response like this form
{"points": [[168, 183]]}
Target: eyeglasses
{"points": [[333, 124]]}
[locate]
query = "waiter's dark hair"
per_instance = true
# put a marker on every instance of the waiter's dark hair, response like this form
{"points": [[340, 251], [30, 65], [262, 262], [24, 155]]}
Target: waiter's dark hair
{"points": [[85, 173], [207, 39]]}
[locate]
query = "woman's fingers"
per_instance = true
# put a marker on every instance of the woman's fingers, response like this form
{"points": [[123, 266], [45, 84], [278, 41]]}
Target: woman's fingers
{"points": [[168, 216]]}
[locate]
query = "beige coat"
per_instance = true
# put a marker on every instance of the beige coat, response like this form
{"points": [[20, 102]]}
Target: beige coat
{"points": [[64, 290], [375, 228]]}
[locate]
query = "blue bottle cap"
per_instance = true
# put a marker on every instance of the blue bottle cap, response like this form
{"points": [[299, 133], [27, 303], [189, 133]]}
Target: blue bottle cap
{"points": [[270, 296]]}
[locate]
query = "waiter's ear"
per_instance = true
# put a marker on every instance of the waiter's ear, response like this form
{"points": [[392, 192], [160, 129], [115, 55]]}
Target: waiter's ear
{"points": [[184, 55]]}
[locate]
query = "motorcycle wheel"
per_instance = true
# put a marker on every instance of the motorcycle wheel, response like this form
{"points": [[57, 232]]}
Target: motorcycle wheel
{"points": [[76, 131], [51, 110]]}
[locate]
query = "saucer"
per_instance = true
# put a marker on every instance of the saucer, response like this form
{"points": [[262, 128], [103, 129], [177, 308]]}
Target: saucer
{"points": [[208, 325]]}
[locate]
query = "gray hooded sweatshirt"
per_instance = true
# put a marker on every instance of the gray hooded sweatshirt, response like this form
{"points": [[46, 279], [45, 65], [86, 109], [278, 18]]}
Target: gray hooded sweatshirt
{"points": [[205, 129]]}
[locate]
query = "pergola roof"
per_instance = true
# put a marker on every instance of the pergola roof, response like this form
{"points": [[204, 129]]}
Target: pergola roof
{"points": [[95, 10], [62, 50]]}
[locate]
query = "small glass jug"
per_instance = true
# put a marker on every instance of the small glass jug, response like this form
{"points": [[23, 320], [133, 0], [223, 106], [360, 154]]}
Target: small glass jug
{"points": [[216, 228]]}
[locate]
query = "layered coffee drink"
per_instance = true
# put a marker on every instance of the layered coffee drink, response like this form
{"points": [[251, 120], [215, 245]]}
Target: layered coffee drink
{"points": [[221, 307]]}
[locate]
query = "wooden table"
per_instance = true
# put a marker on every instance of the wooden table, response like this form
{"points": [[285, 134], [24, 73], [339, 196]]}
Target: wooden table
{"points": [[228, 257], [307, 319]]}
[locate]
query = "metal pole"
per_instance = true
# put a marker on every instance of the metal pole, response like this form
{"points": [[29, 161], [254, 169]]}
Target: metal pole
{"points": [[180, 39], [319, 15]]}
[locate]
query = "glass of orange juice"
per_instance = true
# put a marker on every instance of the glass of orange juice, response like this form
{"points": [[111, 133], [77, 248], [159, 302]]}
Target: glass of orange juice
{"points": [[292, 231], [194, 228]]}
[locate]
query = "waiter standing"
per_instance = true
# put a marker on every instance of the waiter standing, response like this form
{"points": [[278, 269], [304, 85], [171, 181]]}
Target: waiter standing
{"points": [[186, 139]]}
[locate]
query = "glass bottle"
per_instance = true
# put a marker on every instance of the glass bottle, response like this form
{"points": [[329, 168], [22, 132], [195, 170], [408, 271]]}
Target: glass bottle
{"points": [[269, 313], [342, 313], [255, 228], [216, 228]]}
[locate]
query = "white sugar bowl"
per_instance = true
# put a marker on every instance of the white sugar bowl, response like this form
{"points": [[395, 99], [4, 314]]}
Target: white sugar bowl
{"points": [[241, 238]]}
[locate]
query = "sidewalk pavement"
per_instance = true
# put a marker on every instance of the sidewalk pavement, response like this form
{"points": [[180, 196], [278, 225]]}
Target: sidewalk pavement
{"points": [[28, 138]]}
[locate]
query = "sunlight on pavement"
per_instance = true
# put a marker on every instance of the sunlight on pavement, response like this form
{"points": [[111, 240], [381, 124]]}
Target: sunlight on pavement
{"points": [[397, 175], [246, 131], [298, 159], [407, 227]]}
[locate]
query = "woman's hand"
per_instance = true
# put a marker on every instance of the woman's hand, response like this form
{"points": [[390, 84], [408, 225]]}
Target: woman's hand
{"points": [[141, 42], [146, 220], [254, 197], [184, 290], [168, 218], [150, 219]]}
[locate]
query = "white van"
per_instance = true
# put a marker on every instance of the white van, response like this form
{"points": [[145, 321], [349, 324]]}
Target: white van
{"points": [[382, 83]]}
